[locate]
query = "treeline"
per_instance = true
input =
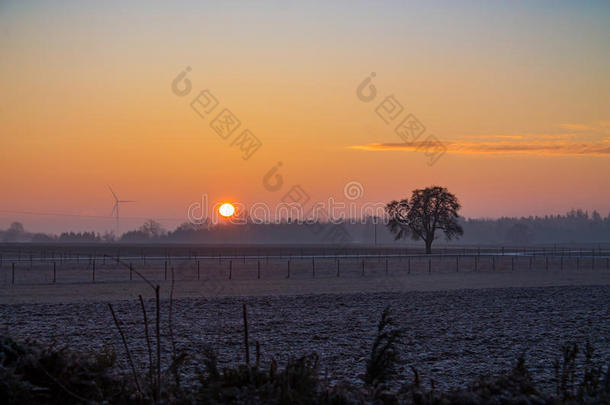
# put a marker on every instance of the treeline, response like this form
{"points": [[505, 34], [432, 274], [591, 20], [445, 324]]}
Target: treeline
{"points": [[576, 226]]}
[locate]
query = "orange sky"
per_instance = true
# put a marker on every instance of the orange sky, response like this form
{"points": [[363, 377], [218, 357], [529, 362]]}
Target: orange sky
{"points": [[519, 95]]}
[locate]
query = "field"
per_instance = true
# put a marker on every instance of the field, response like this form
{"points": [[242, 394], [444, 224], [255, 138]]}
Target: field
{"points": [[466, 311]]}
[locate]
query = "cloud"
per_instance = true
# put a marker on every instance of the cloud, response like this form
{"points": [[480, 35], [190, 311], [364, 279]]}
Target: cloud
{"points": [[601, 128], [576, 127], [572, 139], [554, 148]]}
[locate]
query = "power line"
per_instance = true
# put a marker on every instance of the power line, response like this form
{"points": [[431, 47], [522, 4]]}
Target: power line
{"points": [[62, 214]]}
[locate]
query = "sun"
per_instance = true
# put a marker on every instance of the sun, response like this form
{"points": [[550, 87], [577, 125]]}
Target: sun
{"points": [[226, 210]]}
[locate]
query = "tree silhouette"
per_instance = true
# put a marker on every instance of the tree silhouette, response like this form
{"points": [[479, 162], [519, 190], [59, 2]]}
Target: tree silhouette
{"points": [[429, 209]]}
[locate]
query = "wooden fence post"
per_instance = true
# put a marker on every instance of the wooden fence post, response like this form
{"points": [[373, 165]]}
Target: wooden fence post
{"points": [[54, 273], [258, 276], [245, 316], [13, 274], [230, 269], [198, 271]]}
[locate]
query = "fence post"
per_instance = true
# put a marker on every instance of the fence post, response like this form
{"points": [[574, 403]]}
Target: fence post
{"points": [[429, 265], [246, 343], [165, 271], [93, 272], [54, 273], [512, 263], [457, 263], [198, 271], [258, 276], [593, 260], [313, 267], [409, 264], [386, 266], [362, 267], [13, 274], [230, 269]]}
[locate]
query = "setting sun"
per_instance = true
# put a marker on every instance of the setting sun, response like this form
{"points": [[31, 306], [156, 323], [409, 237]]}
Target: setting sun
{"points": [[226, 210]]}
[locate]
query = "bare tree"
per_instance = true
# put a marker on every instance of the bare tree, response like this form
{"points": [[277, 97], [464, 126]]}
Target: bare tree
{"points": [[429, 209], [152, 229]]}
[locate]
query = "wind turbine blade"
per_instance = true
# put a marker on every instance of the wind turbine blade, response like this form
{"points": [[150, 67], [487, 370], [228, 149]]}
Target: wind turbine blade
{"points": [[113, 209], [114, 195], [122, 201]]}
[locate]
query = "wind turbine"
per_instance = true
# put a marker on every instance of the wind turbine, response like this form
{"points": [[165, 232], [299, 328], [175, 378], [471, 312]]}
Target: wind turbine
{"points": [[115, 209]]}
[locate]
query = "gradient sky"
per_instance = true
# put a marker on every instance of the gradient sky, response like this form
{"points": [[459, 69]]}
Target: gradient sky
{"points": [[518, 92]]}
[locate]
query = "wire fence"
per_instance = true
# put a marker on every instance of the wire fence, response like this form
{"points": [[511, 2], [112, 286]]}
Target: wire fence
{"points": [[45, 268]]}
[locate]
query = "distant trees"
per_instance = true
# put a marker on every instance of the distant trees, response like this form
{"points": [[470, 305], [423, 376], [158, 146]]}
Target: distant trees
{"points": [[15, 233], [79, 237], [428, 210], [519, 234], [151, 230], [576, 226]]}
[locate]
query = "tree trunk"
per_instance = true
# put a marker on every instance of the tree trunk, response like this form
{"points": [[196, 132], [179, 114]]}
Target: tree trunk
{"points": [[428, 247]]}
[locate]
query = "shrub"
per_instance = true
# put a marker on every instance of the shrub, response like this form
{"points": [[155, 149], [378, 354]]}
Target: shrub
{"points": [[380, 367], [30, 373]]}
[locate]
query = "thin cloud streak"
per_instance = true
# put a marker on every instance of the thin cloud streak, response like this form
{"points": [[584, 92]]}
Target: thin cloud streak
{"points": [[557, 148]]}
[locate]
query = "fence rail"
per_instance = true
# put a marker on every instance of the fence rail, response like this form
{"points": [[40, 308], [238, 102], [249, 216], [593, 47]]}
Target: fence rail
{"points": [[105, 268]]}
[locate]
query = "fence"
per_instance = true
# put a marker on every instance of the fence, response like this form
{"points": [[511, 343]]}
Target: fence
{"points": [[104, 268]]}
